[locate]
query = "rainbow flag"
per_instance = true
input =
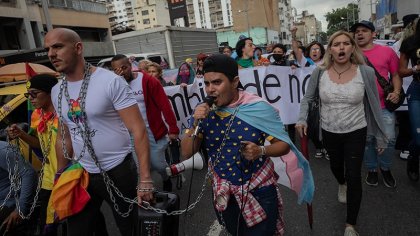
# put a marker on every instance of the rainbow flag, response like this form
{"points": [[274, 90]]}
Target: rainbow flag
{"points": [[69, 195]]}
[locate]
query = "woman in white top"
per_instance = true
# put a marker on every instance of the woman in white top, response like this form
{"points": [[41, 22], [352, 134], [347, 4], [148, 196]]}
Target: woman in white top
{"points": [[349, 111]]}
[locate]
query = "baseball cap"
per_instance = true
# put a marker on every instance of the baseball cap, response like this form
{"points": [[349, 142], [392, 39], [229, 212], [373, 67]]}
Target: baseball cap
{"points": [[363, 23], [407, 19]]}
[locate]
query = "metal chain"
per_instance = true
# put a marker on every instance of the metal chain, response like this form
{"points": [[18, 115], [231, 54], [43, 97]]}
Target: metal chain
{"points": [[46, 148], [82, 96], [206, 178], [85, 133], [16, 180]]}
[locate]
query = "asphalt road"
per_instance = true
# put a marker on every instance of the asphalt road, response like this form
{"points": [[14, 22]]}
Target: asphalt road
{"points": [[384, 211]]}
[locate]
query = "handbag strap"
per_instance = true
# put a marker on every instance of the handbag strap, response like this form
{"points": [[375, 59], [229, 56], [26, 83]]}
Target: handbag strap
{"points": [[317, 84], [382, 81]]}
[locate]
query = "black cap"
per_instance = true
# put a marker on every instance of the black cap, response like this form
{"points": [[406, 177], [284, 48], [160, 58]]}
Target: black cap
{"points": [[42, 82], [363, 23], [222, 64], [407, 19]]}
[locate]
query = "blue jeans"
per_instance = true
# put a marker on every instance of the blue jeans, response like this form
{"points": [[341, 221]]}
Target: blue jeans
{"points": [[267, 197], [413, 94], [371, 156], [157, 154]]}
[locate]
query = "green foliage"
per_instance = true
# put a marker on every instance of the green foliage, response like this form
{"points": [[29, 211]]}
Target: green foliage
{"points": [[323, 38], [342, 18]]}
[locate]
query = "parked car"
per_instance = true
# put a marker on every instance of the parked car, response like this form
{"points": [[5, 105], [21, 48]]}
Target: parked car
{"points": [[14, 110], [155, 57]]}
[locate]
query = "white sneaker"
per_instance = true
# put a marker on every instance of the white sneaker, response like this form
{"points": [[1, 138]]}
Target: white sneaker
{"points": [[404, 155], [342, 193], [350, 231]]}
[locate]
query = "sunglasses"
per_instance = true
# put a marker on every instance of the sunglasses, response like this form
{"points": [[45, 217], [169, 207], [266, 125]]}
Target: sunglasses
{"points": [[32, 94]]}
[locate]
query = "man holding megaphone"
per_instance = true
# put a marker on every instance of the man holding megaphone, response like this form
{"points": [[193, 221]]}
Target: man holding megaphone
{"points": [[246, 196]]}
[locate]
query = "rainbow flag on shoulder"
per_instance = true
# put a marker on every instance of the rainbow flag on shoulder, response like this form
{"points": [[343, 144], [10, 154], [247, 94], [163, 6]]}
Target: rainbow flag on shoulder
{"points": [[69, 195]]}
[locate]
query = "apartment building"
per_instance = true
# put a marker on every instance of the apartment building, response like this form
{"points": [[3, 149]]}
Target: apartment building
{"points": [[121, 15], [151, 13], [308, 28], [210, 14], [24, 23], [286, 21]]}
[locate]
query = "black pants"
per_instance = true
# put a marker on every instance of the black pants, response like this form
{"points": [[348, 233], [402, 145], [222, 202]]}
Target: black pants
{"points": [[44, 197], [346, 157], [125, 179]]}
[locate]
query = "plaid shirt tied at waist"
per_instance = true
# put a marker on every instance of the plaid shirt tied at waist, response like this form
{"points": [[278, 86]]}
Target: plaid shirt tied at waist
{"points": [[252, 211]]}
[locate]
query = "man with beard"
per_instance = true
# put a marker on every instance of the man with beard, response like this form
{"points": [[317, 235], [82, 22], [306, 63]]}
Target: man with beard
{"points": [[97, 112]]}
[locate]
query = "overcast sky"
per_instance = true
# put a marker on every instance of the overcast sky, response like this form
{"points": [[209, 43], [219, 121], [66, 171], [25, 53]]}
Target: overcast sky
{"points": [[319, 8]]}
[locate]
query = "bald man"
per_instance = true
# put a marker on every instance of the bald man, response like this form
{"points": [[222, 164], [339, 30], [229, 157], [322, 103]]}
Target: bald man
{"points": [[97, 111]]}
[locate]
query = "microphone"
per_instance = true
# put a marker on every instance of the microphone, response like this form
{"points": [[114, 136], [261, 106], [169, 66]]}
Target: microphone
{"points": [[209, 100]]}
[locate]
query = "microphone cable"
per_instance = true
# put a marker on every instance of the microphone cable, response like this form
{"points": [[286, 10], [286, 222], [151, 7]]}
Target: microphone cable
{"points": [[243, 196]]}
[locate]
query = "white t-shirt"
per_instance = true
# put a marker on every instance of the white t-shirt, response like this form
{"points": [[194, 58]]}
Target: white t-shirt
{"points": [[137, 86], [107, 93]]}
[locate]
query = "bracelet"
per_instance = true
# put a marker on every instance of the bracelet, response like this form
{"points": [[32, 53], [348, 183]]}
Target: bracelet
{"points": [[414, 69], [147, 181], [143, 190], [262, 151]]}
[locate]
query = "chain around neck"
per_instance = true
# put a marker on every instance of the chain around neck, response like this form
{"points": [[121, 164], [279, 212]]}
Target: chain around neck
{"points": [[82, 103]]}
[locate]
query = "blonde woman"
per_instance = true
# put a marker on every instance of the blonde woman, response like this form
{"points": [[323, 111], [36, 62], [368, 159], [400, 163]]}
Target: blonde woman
{"points": [[349, 110]]}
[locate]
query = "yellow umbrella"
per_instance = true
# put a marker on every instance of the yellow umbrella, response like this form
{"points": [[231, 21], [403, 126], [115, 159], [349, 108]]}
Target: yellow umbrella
{"points": [[17, 72]]}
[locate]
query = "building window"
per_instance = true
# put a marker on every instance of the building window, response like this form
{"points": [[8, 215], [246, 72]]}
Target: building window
{"points": [[137, 13], [145, 12], [153, 10], [154, 19], [146, 21]]}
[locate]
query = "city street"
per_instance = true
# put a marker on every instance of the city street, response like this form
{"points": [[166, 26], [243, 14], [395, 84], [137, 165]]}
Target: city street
{"points": [[384, 211]]}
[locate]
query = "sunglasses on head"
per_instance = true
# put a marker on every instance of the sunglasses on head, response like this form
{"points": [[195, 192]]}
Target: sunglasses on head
{"points": [[33, 94]]}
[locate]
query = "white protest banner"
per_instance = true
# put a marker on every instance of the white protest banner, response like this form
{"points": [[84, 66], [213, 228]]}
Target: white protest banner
{"points": [[280, 86]]}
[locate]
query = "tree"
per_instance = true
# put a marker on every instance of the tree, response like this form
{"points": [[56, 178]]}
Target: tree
{"points": [[323, 38], [342, 18]]}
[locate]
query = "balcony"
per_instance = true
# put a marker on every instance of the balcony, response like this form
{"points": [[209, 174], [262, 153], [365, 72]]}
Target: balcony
{"points": [[8, 3], [79, 5]]}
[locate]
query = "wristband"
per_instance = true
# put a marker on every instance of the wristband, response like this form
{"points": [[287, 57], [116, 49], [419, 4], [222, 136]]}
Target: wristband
{"points": [[414, 69]]}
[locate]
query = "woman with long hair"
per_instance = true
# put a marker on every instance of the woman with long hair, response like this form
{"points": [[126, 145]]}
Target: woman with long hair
{"points": [[410, 51], [349, 110]]}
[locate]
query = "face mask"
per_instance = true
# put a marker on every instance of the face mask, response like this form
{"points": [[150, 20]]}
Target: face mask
{"points": [[278, 57]]}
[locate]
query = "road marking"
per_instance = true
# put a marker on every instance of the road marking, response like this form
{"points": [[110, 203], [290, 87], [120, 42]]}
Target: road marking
{"points": [[215, 229]]}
